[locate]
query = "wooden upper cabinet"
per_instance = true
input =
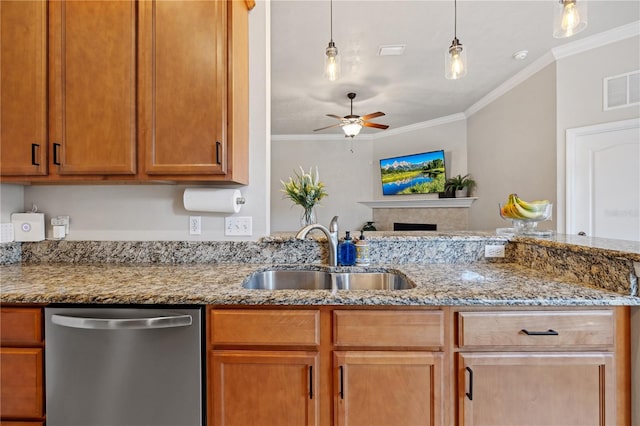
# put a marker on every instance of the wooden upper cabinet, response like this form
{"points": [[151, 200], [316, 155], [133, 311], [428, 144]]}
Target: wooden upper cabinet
{"points": [[183, 83], [23, 88], [93, 87]]}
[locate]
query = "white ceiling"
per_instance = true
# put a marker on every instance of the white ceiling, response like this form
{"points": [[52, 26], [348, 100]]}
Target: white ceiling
{"points": [[410, 88]]}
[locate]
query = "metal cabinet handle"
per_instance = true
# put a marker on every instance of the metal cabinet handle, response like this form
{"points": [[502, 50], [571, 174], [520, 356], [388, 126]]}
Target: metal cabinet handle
{"points": [[34, 149], [311, 382], [470, 393], [341, 381], [218, 146], [122, 324], [56, 148], [549, 332]]}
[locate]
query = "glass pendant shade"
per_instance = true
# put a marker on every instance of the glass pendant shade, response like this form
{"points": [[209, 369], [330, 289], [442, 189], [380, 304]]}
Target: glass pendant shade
{"points": [[352, 129], [455, 65], [570, 17], [332, 62]]}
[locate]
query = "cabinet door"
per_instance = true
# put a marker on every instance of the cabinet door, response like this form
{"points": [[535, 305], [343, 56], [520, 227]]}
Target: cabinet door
{"points": [[388, 388], [21, 390], [23, 88], [183, 86], [93, 96], [562, 389], [264, 388]]}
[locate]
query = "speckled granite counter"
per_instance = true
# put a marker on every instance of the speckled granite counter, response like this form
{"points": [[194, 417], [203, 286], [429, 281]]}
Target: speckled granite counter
{"points": [[448, 269], [443, 285]]}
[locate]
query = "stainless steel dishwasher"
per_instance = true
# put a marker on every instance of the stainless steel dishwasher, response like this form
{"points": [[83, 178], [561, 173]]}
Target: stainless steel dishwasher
{"points": [[124, 366]]}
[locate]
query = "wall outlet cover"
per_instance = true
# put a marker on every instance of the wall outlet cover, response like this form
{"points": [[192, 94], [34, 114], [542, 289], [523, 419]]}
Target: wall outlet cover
{"points": [[238, 226], [493, 250]]}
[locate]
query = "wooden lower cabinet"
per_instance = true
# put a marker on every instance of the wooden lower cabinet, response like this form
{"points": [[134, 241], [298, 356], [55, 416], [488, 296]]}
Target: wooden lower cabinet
{"points": [[419, 366], [21, 366], [264, 388], [563, 389], [387, 388]]}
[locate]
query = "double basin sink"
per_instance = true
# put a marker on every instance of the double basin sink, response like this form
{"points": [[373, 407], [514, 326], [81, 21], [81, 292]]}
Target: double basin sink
{"points": [[284, 279]]}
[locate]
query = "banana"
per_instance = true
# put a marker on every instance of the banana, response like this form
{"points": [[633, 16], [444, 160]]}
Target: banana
{"points": [[534, 206], [516, 208], [526, 213]]}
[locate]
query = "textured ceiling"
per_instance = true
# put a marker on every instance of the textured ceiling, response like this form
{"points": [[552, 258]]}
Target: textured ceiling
{"points": [[410, 88]]}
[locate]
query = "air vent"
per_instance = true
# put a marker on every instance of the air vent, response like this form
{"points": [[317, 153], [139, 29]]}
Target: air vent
{"points": [[391, 50], [622, 90]]}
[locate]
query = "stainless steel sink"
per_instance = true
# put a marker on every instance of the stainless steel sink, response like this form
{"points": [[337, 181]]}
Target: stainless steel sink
{"points": [[319, 280]]}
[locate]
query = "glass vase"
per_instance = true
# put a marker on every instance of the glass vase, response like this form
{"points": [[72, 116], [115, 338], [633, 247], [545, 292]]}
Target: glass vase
{"points": [[308, 216]]}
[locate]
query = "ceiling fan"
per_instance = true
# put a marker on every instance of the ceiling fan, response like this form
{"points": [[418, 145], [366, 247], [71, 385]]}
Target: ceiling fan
{"points": [[352, 124]]}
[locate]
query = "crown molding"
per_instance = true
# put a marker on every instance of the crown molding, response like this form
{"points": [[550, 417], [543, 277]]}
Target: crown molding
{"points": [[422, 125], [404, 129], [313, 137], [623, 32], [511, 83], [613, 35]]}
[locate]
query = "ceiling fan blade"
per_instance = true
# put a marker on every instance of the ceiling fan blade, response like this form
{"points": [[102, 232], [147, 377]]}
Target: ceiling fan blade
{"points": [[375, 125], [373, 115], [328, 127], [335, 116]]}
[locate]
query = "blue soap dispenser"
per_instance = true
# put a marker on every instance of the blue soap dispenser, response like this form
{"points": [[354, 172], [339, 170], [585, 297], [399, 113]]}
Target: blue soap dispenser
{"points": [[347, 251]]}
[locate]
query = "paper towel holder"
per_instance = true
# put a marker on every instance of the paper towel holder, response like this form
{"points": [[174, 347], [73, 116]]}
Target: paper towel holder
{"points": [[213, 200]]}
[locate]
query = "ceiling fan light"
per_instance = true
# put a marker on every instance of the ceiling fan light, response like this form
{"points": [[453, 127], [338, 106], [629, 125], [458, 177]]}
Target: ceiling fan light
{"points": [[352, 129], [455, 65], [332, 62], [570, 17]]}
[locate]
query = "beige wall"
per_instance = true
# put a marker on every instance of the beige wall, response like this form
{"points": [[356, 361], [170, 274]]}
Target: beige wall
{"points": [[11, 201], [155, 212], [511, 147], [345, 174], [355, 176], [580, 95]]}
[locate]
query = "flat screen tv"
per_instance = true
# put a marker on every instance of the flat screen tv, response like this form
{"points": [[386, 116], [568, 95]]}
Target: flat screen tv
{"points": [[422, 173]]}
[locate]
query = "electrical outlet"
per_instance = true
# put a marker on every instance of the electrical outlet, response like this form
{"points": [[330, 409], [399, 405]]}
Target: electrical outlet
{"points": [[493, 251], [240, 226], [195, 225], [61, 221]]}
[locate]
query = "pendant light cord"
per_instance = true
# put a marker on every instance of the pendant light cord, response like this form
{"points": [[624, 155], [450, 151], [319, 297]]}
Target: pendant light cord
{"points": [[455, 19], [331, 18]]}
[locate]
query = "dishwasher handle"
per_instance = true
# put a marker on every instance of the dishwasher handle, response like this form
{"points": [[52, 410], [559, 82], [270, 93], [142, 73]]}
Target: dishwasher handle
{"points": [[122, 324]]}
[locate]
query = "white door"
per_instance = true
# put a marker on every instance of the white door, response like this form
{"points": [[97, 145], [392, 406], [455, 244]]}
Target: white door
{"points": [[603, 180]]}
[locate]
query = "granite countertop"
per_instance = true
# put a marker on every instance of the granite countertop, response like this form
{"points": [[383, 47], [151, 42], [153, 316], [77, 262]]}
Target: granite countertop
{"points": [[481, 284]]}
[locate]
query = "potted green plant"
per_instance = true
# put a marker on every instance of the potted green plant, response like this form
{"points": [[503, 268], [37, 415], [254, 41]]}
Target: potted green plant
{"points": [[460, 186]]}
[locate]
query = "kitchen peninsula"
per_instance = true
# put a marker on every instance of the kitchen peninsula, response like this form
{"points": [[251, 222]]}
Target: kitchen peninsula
{"points": [[554, 312]]}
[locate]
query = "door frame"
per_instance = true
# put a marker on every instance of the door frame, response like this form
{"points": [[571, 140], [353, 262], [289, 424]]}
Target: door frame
{"points": [[565, 164]]}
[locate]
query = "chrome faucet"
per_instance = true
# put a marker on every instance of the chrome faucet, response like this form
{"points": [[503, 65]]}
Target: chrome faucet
{"points": [[332, 237]]}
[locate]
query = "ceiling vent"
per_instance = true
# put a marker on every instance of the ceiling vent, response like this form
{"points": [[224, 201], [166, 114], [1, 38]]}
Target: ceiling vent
{"points": [[621, 90], [391, 50]]}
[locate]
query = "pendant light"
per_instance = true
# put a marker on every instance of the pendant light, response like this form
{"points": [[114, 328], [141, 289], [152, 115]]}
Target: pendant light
{"points": [[570, 17], [331, 59], [455, 65]]}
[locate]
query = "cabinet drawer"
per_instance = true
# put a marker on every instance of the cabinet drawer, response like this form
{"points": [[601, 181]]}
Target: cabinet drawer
{"points": [[265, 327], [536, 329], [21, 390], [19, 326], [388, 328]]}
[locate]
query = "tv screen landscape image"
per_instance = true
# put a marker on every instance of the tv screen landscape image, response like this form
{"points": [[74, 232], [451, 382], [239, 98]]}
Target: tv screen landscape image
{"points": [[422, 173]]}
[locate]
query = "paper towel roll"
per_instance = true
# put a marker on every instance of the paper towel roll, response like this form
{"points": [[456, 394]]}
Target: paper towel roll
{"points": [[212, 200]]}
